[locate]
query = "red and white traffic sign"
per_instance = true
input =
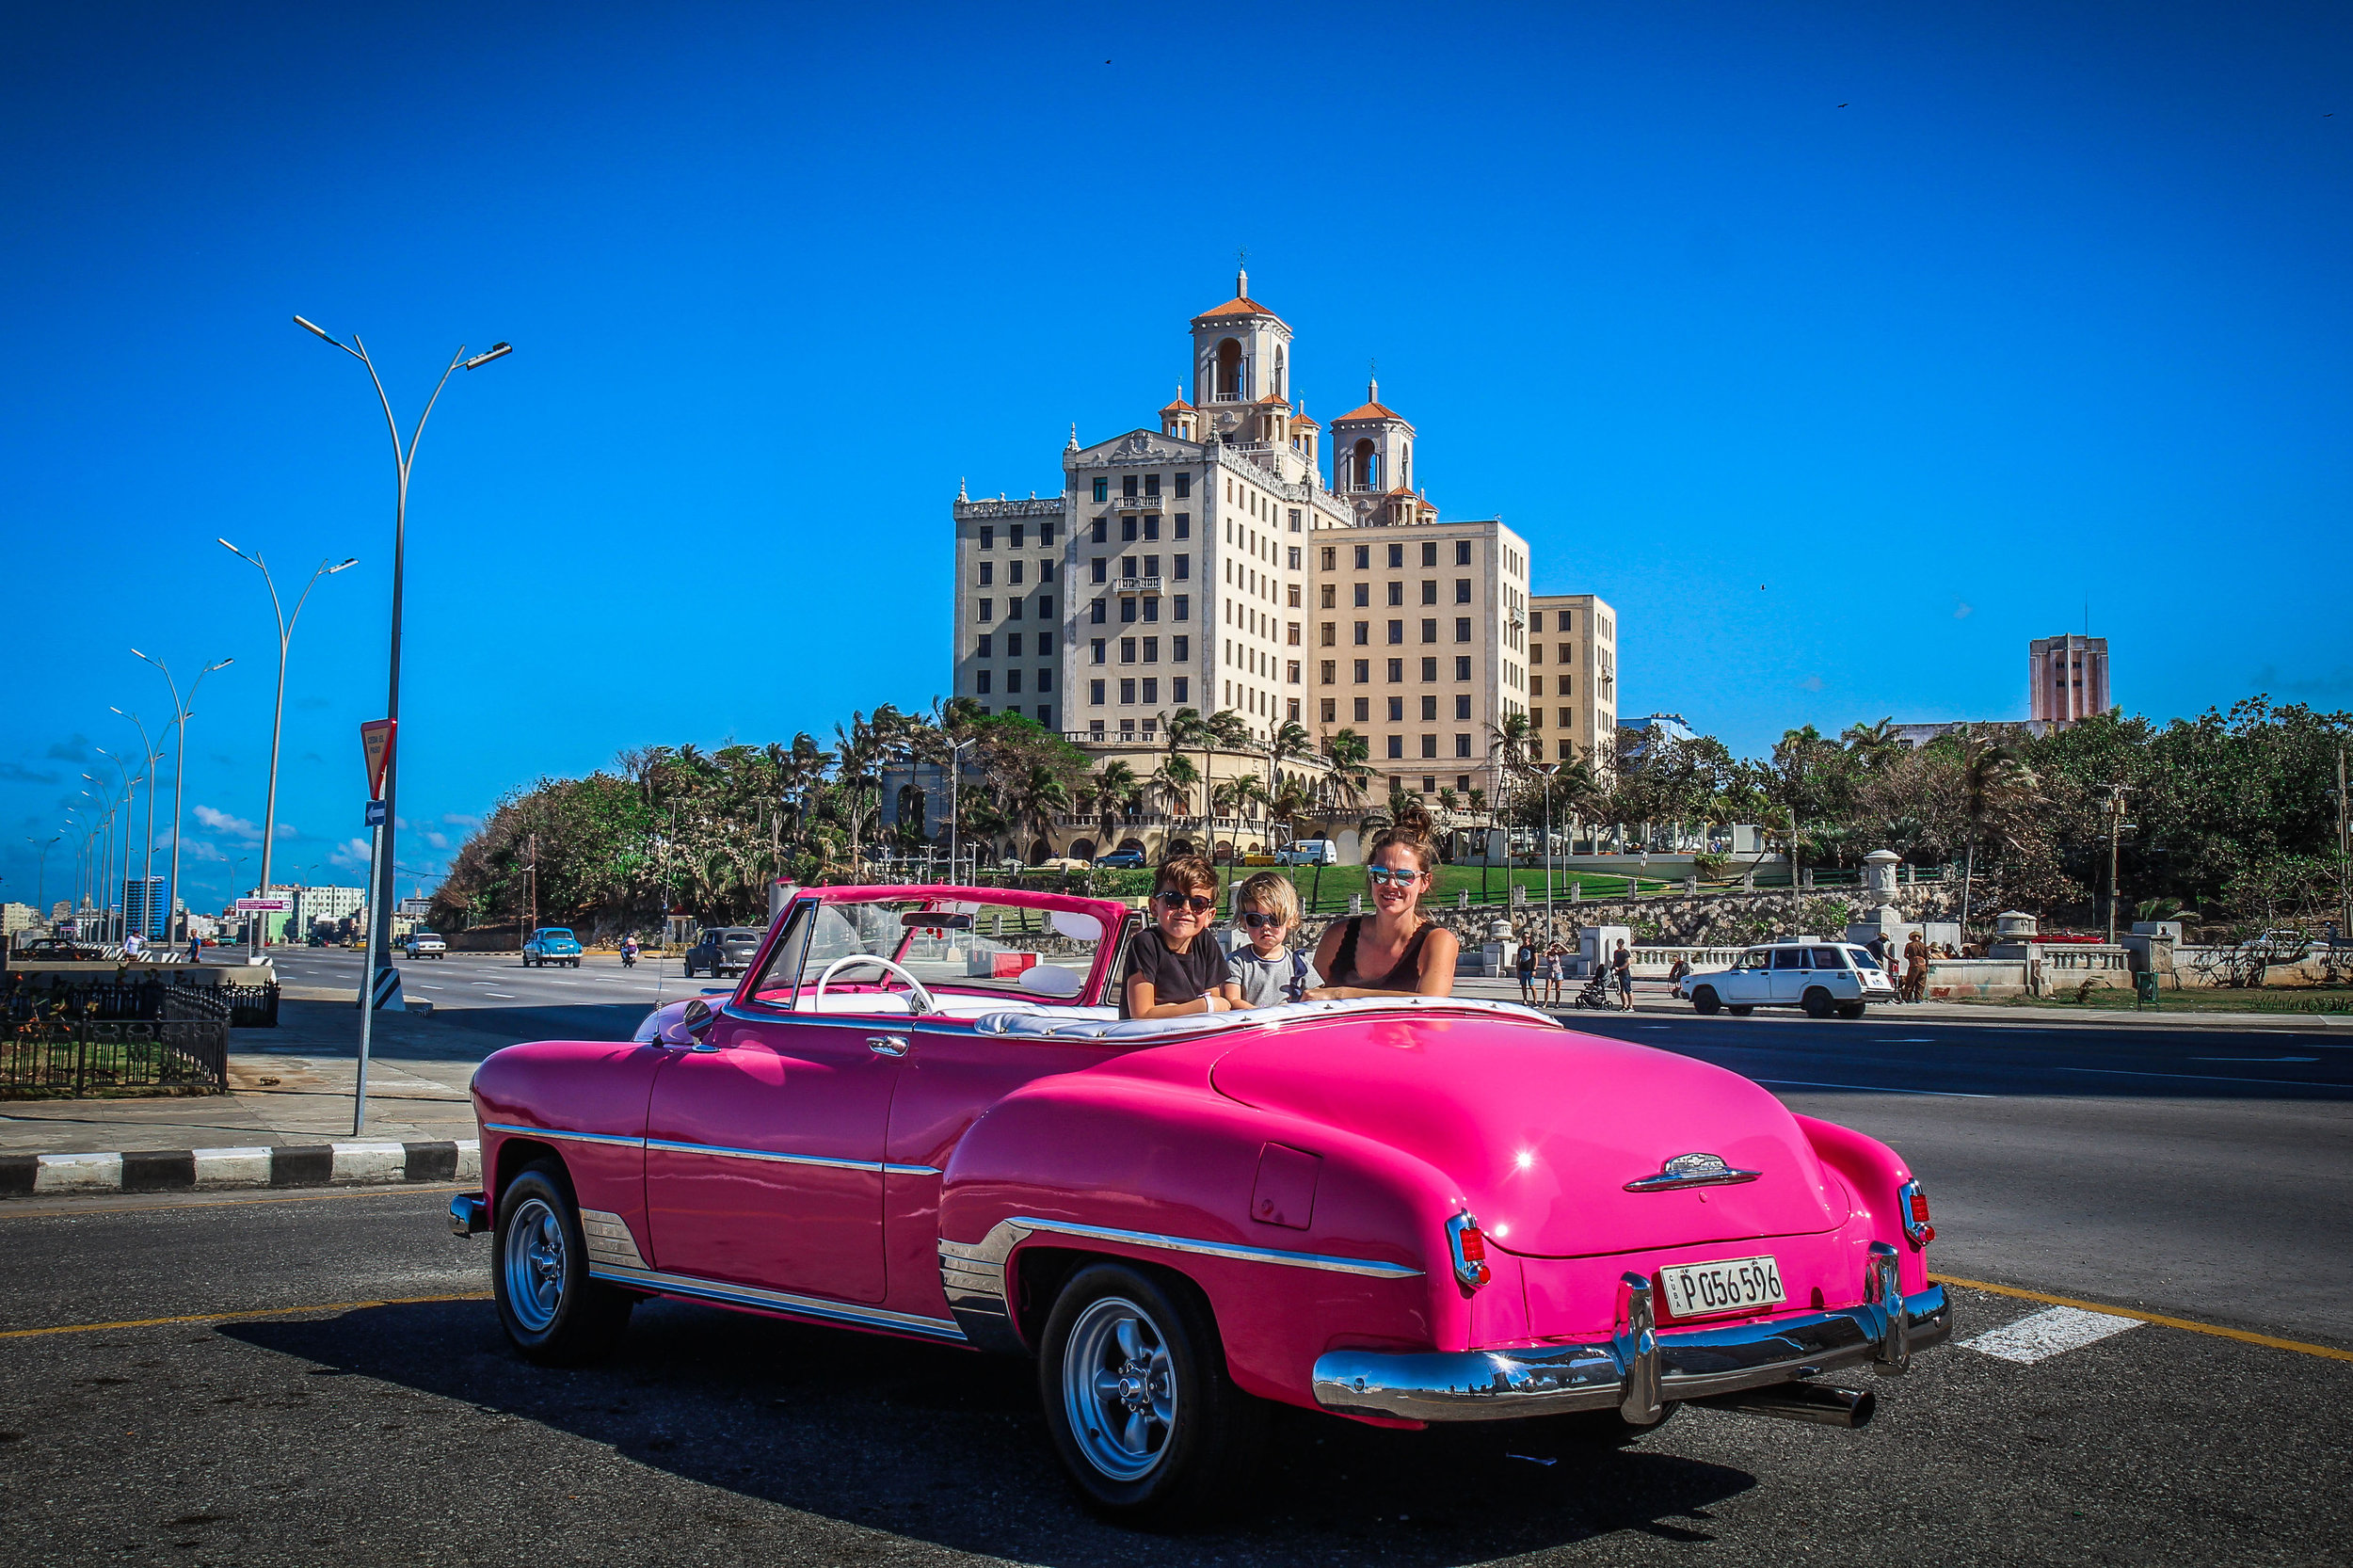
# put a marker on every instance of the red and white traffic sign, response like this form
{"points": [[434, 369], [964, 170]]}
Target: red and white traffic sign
{"points": [[376, 739]]}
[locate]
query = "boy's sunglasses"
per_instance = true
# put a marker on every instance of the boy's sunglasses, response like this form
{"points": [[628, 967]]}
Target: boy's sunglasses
{"points": [[1254, 920], [1193, 902], [1380, 875]]}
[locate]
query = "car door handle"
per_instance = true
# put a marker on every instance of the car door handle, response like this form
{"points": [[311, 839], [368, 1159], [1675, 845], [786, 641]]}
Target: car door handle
{"points": [[887, 1044]]}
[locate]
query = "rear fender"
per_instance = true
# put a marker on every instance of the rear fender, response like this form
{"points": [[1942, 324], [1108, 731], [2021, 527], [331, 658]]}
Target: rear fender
{"points": [[1871, 1173], [1164, 1174]]}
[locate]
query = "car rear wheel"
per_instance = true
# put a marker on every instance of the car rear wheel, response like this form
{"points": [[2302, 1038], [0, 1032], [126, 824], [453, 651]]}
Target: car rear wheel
{"points": [[1817, 1002], [552, 1311], [1850, 1009], [1706, 1000], [1144, 1415]]}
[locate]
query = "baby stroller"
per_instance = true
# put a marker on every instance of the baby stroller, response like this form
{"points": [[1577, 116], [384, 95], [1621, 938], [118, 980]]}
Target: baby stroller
{"points": [[1596, 992]]}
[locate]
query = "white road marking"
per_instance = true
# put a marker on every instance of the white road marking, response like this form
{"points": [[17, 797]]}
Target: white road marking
{"points": [[2051, 1332], [508, 995], [2248, 1060], [1870, 1088], [2206, 1078]]}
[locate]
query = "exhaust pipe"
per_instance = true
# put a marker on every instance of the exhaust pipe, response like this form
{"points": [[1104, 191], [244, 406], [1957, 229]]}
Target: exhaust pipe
{"points": [[1814, 1402]]}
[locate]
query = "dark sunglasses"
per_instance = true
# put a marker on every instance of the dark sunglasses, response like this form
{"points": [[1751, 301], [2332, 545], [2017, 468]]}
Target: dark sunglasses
{"points": [[1254, 920], [1194, 902], [1381, 875]]}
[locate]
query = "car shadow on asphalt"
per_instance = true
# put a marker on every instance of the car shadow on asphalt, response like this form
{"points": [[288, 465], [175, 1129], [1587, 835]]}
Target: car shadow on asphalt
{"points": [[941, 1445]]}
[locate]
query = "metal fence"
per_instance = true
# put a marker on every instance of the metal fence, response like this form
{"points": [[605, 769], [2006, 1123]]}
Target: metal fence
{"points": [[55, 1054], [120, 1002]]}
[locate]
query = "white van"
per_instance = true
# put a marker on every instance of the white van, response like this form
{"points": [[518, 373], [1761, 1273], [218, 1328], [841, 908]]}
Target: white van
{"points": [[1821, 976], [1308, 852]]}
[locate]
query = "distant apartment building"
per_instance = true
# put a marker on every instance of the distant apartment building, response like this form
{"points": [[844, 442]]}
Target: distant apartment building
{"points": [[144, 906], [1572, 677], [17, 917], [2067, 678], [1207, 564]]}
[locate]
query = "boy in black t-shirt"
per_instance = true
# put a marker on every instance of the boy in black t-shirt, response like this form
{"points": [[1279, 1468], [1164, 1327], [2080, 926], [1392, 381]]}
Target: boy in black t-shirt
{"points": [[1176, 966]]}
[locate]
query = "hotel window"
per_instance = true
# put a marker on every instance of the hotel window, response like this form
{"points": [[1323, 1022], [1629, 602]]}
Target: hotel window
{"points": [[1180, 649], [988, 537], [1429, 630], [1184, 566], [1012, 571], [1331, 635], [988, 573], [1330, 553], [1013, 644], [1101, 533], [1363, 596], [1565, 623], [1568, 718], [1094, 728], [1046, 608], [981, 683], [1290, 633], [1127, 612], [1184, 520], [1151, 609], [1397, 671], [1535, 653], [1327, 672], [1046, 571], [1430, 746], [1535, 718], [1397, 745], [1182, 608], [1126, 650], [1044, 717], [988, 610], [1363, 671], [1291, 597], [1364, 710], [1094, 693], [1151, 484], [1128, 487], [1462, 628], [1294, 511], [1461, 590], [1397, 630], [1397, 557], [1429, 710], [1013, 609], [1568, 654], [983, 650], [1151, 566], [1461, 705], [1429, 553], [1045, 534], [1046, 681], [1430, 669], [1151, 651], [1102, 491], [1461, 745], [1102, 570], [1397, 709], [1180, 689], [1128, 530], [1184, 486], [1013, 536], [1094, 613], [1429, 590], [1461, 552], [1364, 558], [1535, 621], [1568, 751], [1331, 710], [1396, 593], [1535, 685], [1461, 666], [1152, 526], [1126, 689], [1151, 690], [1290, 672], [1363, 629], [1327, 598]]}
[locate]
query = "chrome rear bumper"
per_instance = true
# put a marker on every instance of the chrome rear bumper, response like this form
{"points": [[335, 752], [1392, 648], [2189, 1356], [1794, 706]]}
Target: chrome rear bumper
{"points": [[1640, 1369]]}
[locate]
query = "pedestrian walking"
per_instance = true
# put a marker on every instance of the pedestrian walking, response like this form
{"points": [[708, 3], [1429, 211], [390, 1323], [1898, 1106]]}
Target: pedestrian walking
{"points": [[1524, 962], [629, 952], [1553, 963], [1915, 969], [1622, 971]]}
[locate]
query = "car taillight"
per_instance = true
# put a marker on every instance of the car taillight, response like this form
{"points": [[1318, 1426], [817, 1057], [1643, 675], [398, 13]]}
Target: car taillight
{"points": [[1911, 1199], [1470, 1247]]}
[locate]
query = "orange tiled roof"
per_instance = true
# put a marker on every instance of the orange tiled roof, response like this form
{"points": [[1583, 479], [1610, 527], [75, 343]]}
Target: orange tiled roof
{"points": [[1240, 305], [1304, 420], [1371, 410], [1180, 407]]}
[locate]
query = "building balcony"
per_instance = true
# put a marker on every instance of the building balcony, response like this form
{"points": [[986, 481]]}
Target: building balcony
{"points": [[1136, 584], [1139, 502]]}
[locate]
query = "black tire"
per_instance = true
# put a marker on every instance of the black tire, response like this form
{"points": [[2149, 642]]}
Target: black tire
{"points": [[1850, 1009], [553, 1312], [575, 963], [1817, 1002], [1741, 1009], [1209, 1433], [1706, 1000]]}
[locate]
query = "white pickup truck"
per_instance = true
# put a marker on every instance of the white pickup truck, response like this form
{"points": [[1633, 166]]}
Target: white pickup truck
{"points": [[1822, 976]]}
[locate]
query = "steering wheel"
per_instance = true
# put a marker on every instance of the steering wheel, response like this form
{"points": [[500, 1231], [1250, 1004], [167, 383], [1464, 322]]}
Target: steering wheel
{"points": [[914, 987]]}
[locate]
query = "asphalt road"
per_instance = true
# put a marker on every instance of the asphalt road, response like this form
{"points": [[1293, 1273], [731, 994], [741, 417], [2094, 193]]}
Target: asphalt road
{"points": [[408, 1433]]}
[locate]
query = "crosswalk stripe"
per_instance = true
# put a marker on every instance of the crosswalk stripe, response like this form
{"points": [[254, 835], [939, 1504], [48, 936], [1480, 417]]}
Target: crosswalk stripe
{"points": [[2053, 1330]]}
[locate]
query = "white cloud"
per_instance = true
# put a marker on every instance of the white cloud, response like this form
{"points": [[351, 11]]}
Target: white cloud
{"points": [[1961, 609], [221, 822], [1812, 684], [457, 819], [352, 853], [439, 840]]}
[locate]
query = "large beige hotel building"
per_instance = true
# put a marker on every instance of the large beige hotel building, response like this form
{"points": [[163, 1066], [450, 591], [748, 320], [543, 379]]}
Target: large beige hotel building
{"points": [[1205, 562]]}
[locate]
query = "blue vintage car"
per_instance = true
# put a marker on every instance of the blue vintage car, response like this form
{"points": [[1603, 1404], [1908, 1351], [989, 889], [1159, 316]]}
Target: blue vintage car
{"points": [[552, 944]]}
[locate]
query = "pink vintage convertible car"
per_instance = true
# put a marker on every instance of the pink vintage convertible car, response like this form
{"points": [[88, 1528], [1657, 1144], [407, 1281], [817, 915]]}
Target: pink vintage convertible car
{"points": [[916, 1116]]}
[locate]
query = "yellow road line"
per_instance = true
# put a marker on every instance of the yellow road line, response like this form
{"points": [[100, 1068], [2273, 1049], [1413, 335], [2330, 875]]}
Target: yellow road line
{"points": [[234, 1316], [2216, 1330]]}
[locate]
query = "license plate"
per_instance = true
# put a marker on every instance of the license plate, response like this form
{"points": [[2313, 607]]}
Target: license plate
{"points": [[1735, 1284]]}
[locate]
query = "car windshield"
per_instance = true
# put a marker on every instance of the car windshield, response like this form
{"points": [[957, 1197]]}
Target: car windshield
{"points": [[1756, 958], [965, 947]]}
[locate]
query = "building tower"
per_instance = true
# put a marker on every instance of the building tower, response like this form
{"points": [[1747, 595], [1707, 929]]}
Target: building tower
{"points": [[2067, 676]]}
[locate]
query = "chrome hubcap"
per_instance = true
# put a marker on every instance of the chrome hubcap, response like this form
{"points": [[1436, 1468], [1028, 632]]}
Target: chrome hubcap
{"points": [[533, 1247], [1119, 1388]]}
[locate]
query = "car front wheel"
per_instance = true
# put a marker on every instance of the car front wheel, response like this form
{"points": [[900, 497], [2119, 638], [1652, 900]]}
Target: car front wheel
{"points": [[1145, 1416], [551, 1311], [1706, 1000]]}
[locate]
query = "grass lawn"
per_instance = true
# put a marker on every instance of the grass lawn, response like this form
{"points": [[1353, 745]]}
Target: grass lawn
{"points": [[2269, 998], [1325, 889]]}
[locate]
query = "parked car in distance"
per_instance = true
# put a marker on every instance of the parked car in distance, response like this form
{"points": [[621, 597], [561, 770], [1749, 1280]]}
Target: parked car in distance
{"points": [[425, 944], [919, 1117], [552, 944], [1822, 976], [1129, 858], [723, 950], [57, 950], [1308, 852]]}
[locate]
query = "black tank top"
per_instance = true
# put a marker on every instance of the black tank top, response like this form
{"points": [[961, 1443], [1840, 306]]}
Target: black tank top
{"points": [[1406, 976]]}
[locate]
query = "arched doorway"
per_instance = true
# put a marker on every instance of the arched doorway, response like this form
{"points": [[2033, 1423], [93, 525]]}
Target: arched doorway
{"points": [[1041, 852], [1082, 849], [1230, 378], [1224, 854], [1367, 465], [1175, 847]]}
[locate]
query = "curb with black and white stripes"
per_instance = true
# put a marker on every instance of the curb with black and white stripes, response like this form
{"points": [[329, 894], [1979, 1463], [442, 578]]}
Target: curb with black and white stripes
{"points": [[354, 1164]]}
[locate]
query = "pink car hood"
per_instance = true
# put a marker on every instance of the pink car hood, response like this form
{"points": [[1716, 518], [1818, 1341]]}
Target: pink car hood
{"points": [[1543, 1128]]}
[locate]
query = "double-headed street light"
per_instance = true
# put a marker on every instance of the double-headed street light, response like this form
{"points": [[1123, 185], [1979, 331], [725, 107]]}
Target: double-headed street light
{"points": [[147, 866], [381, 894], [278, 720], [40, 874], [180, 713]]}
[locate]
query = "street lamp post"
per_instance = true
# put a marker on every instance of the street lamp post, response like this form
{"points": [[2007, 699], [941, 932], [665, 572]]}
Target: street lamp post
{"points": [[146, 891], [380, 912], [40, 873], [180, 713], [956, 777], [277, 716], [1548, 769], [147, 866]]}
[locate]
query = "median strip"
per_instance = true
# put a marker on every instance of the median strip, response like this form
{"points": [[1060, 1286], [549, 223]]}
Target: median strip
{"points": [[344, 1165]]}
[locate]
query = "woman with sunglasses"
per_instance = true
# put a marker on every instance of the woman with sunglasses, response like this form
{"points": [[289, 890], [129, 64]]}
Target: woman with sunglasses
{"points": [[1397, 950], [1176, 966]]}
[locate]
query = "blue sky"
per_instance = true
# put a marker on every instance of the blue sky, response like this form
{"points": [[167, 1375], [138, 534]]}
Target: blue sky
{"points": [[1844, 348]]}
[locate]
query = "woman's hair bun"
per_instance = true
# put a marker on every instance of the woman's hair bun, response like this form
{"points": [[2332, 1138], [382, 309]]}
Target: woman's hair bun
{"points": [[1410, 825]]}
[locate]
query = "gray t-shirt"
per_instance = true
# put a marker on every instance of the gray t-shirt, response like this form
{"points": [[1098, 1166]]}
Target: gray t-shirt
{"points": [[1269, 981]]}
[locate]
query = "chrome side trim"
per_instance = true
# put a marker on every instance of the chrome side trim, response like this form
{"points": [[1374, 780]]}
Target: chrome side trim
{"points": [[817, 1307], [723, 1151], [608, 1239], [972, 1274], [1691, 1364], [565, 1135], [1692, 1170]]}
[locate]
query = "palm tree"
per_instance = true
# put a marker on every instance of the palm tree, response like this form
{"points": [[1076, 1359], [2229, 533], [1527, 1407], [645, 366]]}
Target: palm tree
{"points": [[1290, 739], [1174, 779], [1116, 788], [1186, 729], [1992, 780], [1351, 776], [1034, 798]]}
